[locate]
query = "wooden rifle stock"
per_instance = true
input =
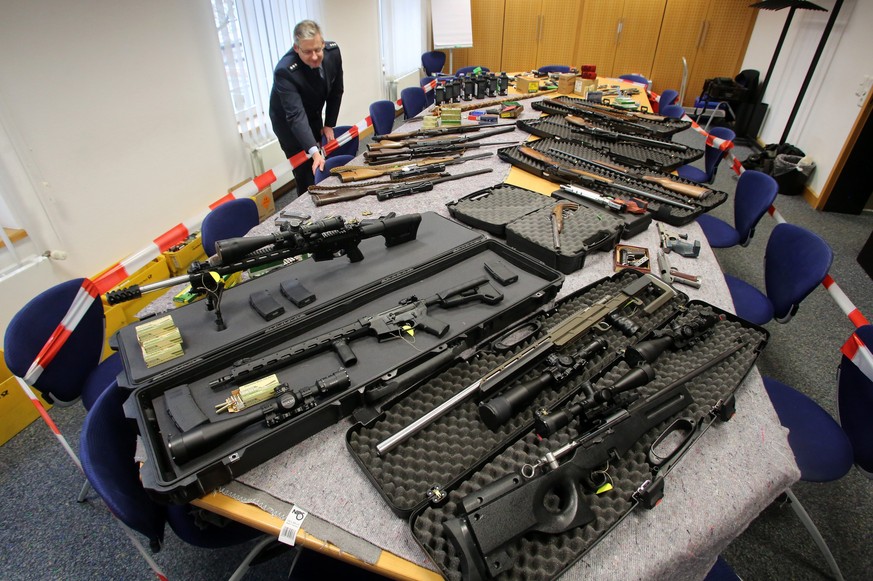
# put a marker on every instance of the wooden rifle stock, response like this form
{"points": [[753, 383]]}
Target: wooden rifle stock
{"points": [[347, 194], [690, 190], [356, 173]]}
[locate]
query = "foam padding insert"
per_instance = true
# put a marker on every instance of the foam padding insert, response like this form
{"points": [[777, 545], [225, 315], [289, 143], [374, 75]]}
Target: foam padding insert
{"points": [[606, 116], [574, 155], [460, 455], [658, 157], [493, 208]]}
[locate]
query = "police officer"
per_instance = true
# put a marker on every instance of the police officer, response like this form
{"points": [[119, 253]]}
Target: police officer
{"points": [[309, 76]]}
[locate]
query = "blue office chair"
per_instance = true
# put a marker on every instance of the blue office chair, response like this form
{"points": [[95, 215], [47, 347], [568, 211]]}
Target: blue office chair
{"points": [[348, 148], [636, 78], [756, 192], [855, 406], [721, 571], [76, 371], [795, 263], [468, 70], [107, 447], [329, 164], [429, 97], [672, 111], [382, 115], [554, 69], [824, 450], [413, 102], [711, 158], [432, 62], [231, 219], [668, 97]]}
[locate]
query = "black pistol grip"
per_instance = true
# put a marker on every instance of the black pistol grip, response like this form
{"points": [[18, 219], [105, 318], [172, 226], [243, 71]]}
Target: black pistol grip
{"points": [[431, 325]]}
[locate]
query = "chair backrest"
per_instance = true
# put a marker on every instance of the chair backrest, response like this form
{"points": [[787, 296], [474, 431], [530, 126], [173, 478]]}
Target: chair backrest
{"points": [[64, 378], [329, 164], [668, 97], [382, 115], [468, 70], [712, 156], [107, 448], [635, 78], [348, 148], [756, 192], [432, 62], [795, 263], [855, 403], [231, 219], [412, 99], [672, 111], [429, 96], [554, 69]]}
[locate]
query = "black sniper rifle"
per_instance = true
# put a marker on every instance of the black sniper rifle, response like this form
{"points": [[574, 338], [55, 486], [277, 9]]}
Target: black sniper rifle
{"points": [[387, 191], [289, 403], [564, 333], [324, 240], [515, 504], [411, 313]]}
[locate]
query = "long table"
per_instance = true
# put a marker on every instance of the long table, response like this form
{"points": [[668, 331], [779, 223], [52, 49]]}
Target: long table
{"points": [[732, 473]]}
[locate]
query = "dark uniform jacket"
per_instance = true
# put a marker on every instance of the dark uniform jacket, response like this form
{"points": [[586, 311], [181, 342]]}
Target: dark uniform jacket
{"points": [[298, 95]]}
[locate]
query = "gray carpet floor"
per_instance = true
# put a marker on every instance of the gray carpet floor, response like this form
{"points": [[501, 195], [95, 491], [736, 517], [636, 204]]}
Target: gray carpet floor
{"points": [[46, 534]]}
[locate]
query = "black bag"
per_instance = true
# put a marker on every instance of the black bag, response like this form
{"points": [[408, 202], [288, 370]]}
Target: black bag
{"points": [[764, 160]]}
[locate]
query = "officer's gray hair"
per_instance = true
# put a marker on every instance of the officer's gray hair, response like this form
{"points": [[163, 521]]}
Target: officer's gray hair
{"points": [[305, 30]]}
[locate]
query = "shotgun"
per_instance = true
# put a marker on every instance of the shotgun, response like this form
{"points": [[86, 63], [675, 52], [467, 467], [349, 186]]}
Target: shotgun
{"points": [[354, 173]]}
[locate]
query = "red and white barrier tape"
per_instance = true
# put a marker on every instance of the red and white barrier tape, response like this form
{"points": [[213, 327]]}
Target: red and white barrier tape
{"points": [[859, 354]]}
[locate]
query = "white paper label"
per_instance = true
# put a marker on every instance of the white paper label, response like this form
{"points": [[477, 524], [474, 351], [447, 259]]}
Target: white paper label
{"points": [[292, 524]]}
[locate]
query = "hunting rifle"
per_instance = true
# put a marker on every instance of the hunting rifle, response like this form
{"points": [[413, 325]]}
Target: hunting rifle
{"points": [[354, 173], [388, 191], [590, 128]]}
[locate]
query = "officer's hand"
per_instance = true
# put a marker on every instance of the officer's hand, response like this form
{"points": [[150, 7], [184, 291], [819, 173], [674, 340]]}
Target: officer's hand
{"points": [[317, 162], [327, 132]]}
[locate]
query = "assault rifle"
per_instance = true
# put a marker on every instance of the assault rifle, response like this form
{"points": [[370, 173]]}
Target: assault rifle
{"points": [[482, 533], [411, 313], [387, 191], [323, 240], [601, 314], [289, 403]]}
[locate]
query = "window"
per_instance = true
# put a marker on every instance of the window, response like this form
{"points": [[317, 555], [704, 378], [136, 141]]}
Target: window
{"points": [[253, 35], [402, 31]]}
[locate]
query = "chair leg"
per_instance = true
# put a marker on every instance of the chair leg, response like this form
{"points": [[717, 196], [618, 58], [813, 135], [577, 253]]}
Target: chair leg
{"points": [[83, 494], [813, 531], [244, 566]]}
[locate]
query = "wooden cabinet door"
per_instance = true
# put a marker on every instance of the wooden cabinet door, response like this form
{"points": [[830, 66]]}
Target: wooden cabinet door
{"points": [[522, 29], [638, 37], [598, 34], [487, 20], [726, 35], [681, 36], [559, 33]]}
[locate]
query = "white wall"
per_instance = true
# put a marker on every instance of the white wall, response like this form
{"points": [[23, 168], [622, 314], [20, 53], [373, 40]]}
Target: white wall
{"points": [[830, 106], [121, 115]]}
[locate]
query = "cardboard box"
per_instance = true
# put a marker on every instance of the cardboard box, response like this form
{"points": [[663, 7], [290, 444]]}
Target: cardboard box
{"points": [[527, 84], [178, 260], [264, 200], [16, 409], [566, 83], [582, 86]]}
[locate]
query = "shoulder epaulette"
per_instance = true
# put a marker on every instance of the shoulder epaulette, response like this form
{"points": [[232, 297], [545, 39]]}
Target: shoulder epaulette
{"points": [[330, 45], [293, 67]]}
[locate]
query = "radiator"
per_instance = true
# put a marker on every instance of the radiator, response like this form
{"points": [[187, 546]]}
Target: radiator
{"points": [[397, 84]]}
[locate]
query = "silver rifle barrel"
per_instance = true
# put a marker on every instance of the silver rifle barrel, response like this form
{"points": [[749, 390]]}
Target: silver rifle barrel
{"points": [[430, 417]]}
